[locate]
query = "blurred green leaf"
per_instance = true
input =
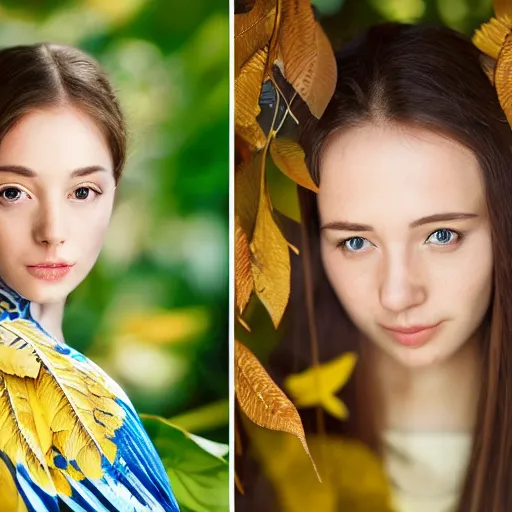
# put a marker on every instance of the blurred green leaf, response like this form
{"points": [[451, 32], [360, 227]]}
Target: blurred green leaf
{"points": [[199, 476]]}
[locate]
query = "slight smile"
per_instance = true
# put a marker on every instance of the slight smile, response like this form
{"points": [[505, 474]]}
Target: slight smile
{"points": [[50, 270], [414, 336]]}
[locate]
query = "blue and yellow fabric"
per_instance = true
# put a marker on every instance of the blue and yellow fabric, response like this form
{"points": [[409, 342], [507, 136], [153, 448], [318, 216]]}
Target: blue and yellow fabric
{"points": [[70, 438]]}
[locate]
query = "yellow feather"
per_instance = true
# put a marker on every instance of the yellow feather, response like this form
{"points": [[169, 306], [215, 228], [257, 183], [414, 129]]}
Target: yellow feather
{"points": [[67, 397], [18, 434], [10, 498]]}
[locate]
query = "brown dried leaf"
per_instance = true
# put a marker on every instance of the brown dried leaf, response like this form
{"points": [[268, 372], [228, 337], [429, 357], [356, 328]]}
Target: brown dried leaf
{"points": [[270, 262], [253, 31], [247, 192], [503, 77], [308, 59], [262, 400], [247, 93], [503, 8], [244, 283], [290, 158]]}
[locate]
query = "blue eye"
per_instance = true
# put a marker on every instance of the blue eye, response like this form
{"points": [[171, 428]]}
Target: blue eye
{"points": [[354, 244], [443, 237]]}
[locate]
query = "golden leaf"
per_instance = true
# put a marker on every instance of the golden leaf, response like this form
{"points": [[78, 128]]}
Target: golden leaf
{"points": [[354, 478], [317, 385], [166, 327], [247, 94], [243, 274], [290, 159], [270, 262], [261, 399], [253, 31], [65, 410], [308, 59], [247, 192], [503, 76], [503, 9], [490, 37]]}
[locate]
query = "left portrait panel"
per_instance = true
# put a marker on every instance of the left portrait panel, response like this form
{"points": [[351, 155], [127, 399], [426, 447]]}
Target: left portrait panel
{"points": [[114, 210]]}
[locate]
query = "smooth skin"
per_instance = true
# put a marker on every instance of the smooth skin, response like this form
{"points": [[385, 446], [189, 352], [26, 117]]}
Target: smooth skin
{"points": [[396, 257], [57, 192]]}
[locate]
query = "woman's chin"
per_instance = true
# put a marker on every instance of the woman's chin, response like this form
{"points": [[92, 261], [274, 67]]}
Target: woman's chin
{"points": [[42, 292]]}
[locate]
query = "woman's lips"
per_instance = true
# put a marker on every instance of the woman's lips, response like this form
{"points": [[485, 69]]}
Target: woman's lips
{"points": [[50, 271], [414, 336]]}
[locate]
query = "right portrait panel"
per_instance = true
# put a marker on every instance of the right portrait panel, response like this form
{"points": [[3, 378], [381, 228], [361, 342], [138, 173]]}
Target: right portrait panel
{"points": [[373, 157]]}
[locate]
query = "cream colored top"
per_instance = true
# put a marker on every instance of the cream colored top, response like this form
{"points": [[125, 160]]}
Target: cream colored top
{"points": [[426, 469]]}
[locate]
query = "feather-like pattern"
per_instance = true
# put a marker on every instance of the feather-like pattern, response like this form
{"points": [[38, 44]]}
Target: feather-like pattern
{"points": [[70, 438]]}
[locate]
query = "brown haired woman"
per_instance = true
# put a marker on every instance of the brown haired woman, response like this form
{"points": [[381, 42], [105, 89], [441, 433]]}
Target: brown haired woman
{"points": [[413, 227], [410, 237], [69, 436]]}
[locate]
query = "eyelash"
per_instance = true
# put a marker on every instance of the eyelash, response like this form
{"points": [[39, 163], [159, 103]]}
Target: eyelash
{"points": [[88, 186], [458, 234]]}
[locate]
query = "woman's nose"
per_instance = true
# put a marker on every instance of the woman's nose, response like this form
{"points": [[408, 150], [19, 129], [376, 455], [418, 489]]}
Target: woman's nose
{"points": [[50, 225], [401, 284]]}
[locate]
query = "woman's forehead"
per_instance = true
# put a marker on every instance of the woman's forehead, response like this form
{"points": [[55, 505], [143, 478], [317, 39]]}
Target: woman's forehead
{"points": [[55, 140], [408, 171]]}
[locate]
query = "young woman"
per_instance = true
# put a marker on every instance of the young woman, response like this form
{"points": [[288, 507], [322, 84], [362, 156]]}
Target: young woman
{"points": [[408, 246], [412, 226], [69, 437]]}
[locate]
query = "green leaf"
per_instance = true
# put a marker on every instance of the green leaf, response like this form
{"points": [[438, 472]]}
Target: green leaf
{"points": [[199, 475]]}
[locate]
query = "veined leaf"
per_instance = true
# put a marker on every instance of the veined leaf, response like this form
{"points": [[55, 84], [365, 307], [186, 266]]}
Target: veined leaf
{"points": [[490, 37], [502, 77], [261, 400], [317, 385], [289, 158], [247, 93], [270, 262], [308, 59], [247, 193], [244, 283], [253, 31]]}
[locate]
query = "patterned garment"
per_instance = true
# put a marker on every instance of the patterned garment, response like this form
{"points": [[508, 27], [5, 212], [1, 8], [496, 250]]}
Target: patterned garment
{"points": [[70, 438]]}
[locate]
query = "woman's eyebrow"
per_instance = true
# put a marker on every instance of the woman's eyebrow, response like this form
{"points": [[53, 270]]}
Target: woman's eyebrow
{"points": [[438, 217], [28, 173], [85, 171]]}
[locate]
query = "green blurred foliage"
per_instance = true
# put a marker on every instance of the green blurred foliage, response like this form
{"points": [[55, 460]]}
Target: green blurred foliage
{"points": [[196, 466], [154, 311]]}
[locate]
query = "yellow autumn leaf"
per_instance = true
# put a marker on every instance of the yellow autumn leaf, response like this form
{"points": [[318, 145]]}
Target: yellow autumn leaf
{"points": [[317, 386], [308, 59], [261, 400], [247, 94], [253, 31], [243, 273], [270, 262], [354, 479], [290, 159], [494, 39], [163, 327], [247, 193]]}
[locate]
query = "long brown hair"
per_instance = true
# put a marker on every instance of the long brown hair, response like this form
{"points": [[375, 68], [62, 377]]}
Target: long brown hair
{"points": [[49, 75], [430, 77]]}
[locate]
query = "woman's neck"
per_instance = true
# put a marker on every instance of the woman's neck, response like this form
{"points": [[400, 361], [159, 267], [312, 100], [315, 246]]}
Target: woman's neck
{"points": [[50, 317], [440, 397]]}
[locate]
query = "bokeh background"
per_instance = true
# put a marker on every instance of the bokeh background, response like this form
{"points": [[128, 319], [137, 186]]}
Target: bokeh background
{"points": [[154, 311]]}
